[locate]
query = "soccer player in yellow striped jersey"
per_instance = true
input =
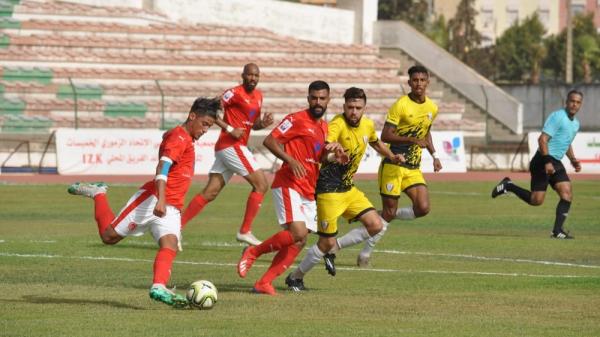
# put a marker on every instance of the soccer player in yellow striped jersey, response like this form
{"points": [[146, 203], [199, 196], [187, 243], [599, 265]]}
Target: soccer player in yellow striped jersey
{"points": [[336, 194], [407, 130]]}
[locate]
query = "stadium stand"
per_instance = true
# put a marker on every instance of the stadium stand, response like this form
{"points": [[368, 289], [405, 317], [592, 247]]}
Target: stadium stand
{"points": [[127, 67]]}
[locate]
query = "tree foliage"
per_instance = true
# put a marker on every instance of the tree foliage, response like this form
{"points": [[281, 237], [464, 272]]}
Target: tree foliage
{"points": [[521, 50], [464, 37], [412, 11]]}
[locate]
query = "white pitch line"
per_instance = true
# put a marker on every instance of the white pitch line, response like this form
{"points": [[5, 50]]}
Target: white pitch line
{"points": [[397, 252], [484, 258], [376, 270]]}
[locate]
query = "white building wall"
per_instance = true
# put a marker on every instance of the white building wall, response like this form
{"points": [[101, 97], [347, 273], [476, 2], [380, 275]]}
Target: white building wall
{"points": [[304, 22]]}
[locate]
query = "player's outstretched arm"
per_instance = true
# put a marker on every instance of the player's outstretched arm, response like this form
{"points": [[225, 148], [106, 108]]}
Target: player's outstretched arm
{"points": [[160, 181], [334, 152], [278, 151], [437, 164], [233, 132], [385, 151], [543, 146], [263, 122], [574, 162], [388, 135]]}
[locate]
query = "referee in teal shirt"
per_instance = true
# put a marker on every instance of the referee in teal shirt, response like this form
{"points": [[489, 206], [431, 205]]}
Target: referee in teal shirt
{"points": [[546, 167]]}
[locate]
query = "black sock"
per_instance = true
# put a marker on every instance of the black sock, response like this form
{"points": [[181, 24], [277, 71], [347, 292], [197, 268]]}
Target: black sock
{"points": [[520, 192], [562, 210]]}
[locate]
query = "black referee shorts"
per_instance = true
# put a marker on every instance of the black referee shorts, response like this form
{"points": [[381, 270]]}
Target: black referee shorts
{"points": [[539, 178]]}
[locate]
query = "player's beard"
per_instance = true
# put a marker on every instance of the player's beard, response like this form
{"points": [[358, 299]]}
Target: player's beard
{"points": [[315, 114]]}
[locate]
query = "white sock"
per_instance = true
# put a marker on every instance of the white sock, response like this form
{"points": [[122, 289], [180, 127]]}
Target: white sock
{"points": [[312, 258], [370, 243], [406, 213], [353, 237]]}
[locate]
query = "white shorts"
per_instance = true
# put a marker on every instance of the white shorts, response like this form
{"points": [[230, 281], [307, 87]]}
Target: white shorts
{"points": [[136, 218], [291, 206], [234, 159]]}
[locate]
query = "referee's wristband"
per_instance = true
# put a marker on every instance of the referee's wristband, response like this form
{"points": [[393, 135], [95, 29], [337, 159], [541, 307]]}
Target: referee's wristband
{"points": [[547, 159]]}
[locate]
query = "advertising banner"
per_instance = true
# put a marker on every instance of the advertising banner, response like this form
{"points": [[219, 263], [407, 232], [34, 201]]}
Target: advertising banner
{"points": [[449, 146], [120, 151]]}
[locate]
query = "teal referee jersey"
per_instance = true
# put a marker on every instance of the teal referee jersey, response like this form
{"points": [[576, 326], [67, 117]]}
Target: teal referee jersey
{"points": [[562, 131]]}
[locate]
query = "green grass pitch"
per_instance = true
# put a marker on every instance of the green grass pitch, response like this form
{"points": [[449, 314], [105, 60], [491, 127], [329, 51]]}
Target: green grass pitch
{"points": [[473, 267]]}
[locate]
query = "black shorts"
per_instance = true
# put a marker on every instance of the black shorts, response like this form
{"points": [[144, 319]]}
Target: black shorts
{"points": [[539, 178]]}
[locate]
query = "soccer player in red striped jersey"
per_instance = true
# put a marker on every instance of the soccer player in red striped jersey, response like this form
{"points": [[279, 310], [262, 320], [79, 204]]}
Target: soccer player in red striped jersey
{"points": [[242, 112], [156, 206], [299, 141]]}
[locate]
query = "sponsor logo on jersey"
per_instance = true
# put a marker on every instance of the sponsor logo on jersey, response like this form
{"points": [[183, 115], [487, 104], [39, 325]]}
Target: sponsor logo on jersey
{"points": [[430, 115], [227, 95], [252, 113], [285, 126]]}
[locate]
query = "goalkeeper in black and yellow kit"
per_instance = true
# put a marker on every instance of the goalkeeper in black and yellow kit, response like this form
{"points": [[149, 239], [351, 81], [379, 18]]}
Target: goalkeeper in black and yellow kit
{"points": [[336, 194]]}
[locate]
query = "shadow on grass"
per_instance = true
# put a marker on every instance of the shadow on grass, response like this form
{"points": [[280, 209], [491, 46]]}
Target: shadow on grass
{"points": [[56, 300]]}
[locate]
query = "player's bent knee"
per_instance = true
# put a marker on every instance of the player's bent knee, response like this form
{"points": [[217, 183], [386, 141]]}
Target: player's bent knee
{"points": [[421, 210]]}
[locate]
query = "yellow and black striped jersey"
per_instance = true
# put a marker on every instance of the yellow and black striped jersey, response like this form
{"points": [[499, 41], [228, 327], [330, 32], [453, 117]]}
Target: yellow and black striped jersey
{"points": [[334, 177], [411, 119]]}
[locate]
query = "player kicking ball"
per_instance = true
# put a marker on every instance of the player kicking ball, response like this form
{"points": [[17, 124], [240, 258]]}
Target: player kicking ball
{"points": [[156, 207]]}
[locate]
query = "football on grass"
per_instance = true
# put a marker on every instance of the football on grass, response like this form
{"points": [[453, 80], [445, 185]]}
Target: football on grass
{"points": [[202, 295]]}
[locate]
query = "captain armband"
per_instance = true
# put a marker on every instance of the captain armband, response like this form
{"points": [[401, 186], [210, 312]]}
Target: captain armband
{"points": [[166, 166]]}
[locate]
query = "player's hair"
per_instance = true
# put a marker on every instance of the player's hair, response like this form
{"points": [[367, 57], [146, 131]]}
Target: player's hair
{"points": [[318, 85], [417, 69], [574, 92], [355, 93], [203, 106]]}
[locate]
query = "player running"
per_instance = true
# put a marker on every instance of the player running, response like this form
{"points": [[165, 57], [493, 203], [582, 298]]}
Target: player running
{"points": [[336, 194], [156, 206], [299, 141], [242, 105], [407, 130]]}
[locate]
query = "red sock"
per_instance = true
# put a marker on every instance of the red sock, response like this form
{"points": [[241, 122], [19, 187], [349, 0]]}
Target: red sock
{"points": [[194, 207], [252, 207], [281, 262], [102, 212], [276, 242], [162, 265]]}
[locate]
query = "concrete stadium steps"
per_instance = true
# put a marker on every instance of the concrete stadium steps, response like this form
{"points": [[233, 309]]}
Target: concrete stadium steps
{"points": [[187, 45], [125, 72], [164, 57], [83, 12]]}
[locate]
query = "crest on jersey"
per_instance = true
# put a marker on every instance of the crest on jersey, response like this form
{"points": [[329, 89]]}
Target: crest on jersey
{"points": [[430, 115], [132, 226], [318, 147], [227, 95], [324, 225], [284, 126], [366, 139], [389, 187], [252, 113]]}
